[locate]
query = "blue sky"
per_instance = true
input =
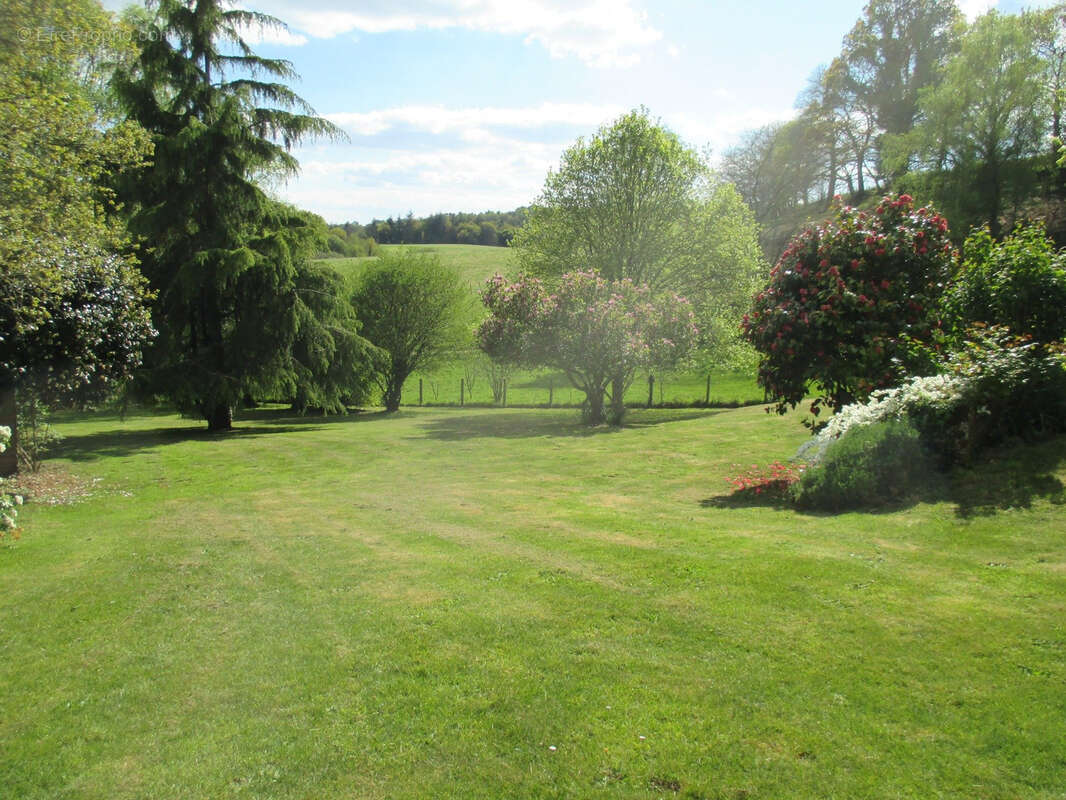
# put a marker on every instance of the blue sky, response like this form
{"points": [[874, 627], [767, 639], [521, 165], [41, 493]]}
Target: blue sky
{"points": [[464, 105]]}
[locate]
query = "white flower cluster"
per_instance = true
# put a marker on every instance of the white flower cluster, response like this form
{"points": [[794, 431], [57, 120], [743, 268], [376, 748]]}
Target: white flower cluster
{"points": [[8, 503], [937, 393]]}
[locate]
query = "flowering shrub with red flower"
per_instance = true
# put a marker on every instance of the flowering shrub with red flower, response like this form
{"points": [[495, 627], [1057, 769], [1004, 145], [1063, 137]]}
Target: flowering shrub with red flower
{"points": [[847, 301], [595, 330]]}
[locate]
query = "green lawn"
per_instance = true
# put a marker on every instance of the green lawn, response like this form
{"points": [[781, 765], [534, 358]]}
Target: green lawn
{"points": [[489, 603], [474, 263]]}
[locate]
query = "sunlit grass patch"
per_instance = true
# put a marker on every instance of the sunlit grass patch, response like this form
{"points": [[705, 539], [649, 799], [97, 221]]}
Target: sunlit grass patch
{"points": [[425, 604]]}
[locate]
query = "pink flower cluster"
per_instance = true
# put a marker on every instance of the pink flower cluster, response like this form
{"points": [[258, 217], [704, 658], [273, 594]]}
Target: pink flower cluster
{"points": [[588, 325]]}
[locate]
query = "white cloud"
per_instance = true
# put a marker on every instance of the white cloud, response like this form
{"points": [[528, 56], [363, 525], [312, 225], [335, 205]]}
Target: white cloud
{"points": [[472, 123], [602, 33], [258, 34], [389, 183], [435, 158], [720, 131], [975, 8]]}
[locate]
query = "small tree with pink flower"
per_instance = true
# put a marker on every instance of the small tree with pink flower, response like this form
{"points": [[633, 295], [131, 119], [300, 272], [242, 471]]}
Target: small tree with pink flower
{"points": [[850, 304], [596, 331]]}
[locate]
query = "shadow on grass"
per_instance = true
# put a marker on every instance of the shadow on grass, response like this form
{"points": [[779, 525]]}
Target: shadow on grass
{"points": [[504, 424], [119, 442], [126, 441], [287, 416], [1005, 478], [745, 498], [1010, 478]]}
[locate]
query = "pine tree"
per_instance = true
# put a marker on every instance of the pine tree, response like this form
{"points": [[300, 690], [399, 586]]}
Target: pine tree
{"points": [[225, 260]]}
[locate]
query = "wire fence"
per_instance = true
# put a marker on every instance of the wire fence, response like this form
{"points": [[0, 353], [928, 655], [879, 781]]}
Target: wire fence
{"points": [[553, 390]]}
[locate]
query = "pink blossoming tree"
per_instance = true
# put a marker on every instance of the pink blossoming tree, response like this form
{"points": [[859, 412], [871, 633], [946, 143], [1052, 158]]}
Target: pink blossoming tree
{"points": [[596, 331]]}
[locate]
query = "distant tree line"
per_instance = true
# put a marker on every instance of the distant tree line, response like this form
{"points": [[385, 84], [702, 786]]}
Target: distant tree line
{"points": [[494, 228], [920, 101], [347, 241]]}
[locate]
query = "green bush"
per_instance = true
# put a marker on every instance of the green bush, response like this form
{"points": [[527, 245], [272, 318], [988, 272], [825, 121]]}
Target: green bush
{"points": [[869, 466], [1015, 389], [1019, 283]]}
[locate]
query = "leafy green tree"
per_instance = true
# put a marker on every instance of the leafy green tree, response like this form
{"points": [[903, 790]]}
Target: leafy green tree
{"points": [[1018, 283], [982, 123], [790, 172], [72, 315], [757, 167], [412, 309], [331, 365], [898, 48], [468, 233], [847, 302], [224, 259], [635, 203], [1050, 26], [852, 121], [489, 235], [616, 205]]}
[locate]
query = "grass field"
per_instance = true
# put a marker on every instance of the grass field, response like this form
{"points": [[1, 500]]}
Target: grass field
{"points": [[474, 263], [465, 376], [441, 385], [489, 603]]}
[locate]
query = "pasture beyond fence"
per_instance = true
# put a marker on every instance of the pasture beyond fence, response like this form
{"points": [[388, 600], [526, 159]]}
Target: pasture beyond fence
{"points": [[454, 386]]}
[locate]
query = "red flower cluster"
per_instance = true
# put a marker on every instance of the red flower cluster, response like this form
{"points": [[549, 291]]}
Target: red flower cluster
{"points": [[772, 481], [845, 298]]}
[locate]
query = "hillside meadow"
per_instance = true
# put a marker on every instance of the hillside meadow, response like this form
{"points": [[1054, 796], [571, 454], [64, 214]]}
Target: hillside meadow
{"points": [[461, 603]]}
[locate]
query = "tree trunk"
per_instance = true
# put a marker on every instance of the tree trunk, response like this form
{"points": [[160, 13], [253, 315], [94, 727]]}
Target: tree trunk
{"points": [[220, 418], [9, 460], [393, 392], [594, 405], [618, 406], [994, 192]]}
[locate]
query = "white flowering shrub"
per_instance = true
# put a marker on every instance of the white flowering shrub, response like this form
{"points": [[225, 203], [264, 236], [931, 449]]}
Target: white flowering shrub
{"points": [[8, 503], [921, 400]]}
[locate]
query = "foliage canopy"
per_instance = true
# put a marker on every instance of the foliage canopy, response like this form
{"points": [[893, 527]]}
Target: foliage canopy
{"points": [[847, 301], [634, 202], [72, 314], [1018, 283], [412, 309], [596, 331], [228, 263]]}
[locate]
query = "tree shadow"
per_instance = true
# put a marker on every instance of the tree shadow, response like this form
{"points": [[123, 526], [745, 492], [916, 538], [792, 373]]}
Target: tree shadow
{"points": [[743, 498], [126, 442], [1009, 477], [287, 416], [504, 424]]}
